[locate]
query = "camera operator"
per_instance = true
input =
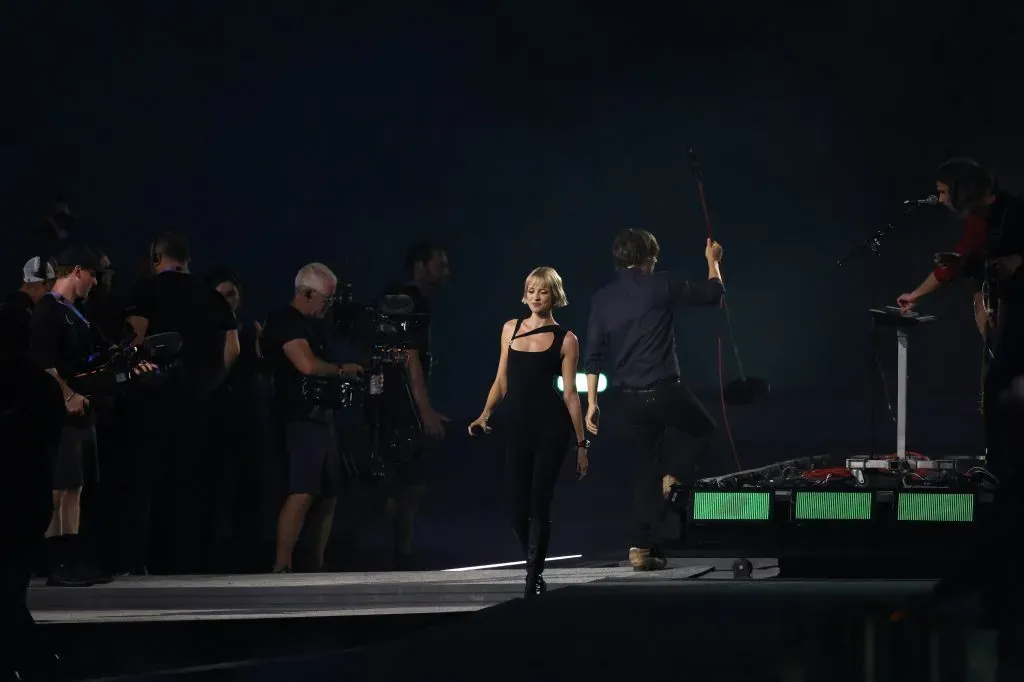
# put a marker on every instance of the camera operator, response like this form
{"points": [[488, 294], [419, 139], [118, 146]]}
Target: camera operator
{"points": [[174, 420], [31, 411], [426, 270], [62, 343], [294, 342]]}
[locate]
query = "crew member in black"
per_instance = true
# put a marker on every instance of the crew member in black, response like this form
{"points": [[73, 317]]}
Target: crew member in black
{"points": [[239, 444], [37, 278], [174, 419], [105, 309], [294, 342], [426, 268], [31, 412], [631, 335], [62, 343], [538, 422]]}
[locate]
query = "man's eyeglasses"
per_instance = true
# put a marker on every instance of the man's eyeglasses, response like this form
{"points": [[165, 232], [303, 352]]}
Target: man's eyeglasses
{"points": [[328, 299]]}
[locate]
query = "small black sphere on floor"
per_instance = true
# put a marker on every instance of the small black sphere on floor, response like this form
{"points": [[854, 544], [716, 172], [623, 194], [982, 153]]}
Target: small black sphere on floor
{"points": [[741, 569]]}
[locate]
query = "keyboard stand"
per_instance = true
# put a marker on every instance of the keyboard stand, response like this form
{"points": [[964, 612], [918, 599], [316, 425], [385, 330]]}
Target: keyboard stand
{"points": [[902, 323], [892, 318]]}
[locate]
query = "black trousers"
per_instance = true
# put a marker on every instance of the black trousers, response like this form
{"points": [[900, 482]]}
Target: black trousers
{"points": [[27, 507], [534, 454], [29, 433], [170, 504], [240, 451], [1004, 431], [648, 413], [988, 568], [1004, 427]]}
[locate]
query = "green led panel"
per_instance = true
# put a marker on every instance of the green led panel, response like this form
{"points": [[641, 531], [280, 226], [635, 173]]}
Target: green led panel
{"points": [[935, 507], [731, 506], [832, 506]]}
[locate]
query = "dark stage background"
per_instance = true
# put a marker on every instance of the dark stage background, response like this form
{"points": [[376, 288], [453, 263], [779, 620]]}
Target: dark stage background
{"points": [[527, 135]]}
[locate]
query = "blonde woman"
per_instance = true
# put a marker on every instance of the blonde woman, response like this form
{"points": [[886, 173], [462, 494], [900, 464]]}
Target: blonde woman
{"points": [[539, 423]]}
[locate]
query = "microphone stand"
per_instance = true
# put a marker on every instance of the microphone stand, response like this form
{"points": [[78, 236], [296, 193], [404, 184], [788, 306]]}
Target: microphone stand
{"points": [[873, 246]]}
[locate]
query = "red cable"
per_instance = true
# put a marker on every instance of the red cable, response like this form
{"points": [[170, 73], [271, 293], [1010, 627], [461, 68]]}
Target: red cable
{"points": [[721, 305], [725, 414], [835, 472]]}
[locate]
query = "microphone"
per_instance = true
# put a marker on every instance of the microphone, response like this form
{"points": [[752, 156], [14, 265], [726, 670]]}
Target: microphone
{"points": [[930, 201]]}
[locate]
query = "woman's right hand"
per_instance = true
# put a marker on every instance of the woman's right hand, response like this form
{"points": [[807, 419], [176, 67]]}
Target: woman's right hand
{"points": [[582, 463], [479, 423]]}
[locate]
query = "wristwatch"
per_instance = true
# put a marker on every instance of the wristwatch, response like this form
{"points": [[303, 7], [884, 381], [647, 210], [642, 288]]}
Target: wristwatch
{"points": [[585, 444]]}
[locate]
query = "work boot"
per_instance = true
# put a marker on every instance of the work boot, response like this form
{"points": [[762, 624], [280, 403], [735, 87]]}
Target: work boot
{"points": [[667, 483], [72, 568], [536, 554], [644, 560], [64, 570]]}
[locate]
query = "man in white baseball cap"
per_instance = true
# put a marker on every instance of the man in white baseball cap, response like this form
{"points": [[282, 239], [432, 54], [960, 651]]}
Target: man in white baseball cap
{"points": [[37, 278]]}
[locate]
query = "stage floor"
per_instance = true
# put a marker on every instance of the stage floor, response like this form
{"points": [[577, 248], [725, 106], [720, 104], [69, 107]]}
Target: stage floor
{"points": [[388, 625], [154, 598]]}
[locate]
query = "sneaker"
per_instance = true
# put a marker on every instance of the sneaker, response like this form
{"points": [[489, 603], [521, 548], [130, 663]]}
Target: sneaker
{"points": [[643, 560]]}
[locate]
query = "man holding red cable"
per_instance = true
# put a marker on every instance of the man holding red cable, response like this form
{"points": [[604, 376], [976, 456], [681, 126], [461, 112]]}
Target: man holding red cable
{"points": [[631, 336]]}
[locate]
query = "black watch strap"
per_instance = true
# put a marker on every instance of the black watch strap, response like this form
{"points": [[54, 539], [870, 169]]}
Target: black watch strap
{"points": [[585, 444]]}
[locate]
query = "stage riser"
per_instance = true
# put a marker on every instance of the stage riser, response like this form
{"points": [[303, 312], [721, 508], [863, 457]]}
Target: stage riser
{"points": [[886, 539], [808, 506]]}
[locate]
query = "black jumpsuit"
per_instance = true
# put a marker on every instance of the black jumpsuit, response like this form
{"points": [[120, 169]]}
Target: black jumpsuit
{"points": [[539, 433]]}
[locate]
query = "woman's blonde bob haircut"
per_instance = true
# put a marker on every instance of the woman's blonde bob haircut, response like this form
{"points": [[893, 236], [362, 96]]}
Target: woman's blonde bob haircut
{"points": [[552, 281]]}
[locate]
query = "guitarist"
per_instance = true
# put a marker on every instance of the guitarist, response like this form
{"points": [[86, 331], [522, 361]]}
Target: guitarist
{"points": [[989, 253]]}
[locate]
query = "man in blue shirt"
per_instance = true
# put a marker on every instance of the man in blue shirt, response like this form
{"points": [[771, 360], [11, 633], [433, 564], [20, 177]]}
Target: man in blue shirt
{"points": [[631, 337]]}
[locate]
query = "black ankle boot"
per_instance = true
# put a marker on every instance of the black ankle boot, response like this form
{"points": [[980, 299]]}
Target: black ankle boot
{"points": [[536, 553]]}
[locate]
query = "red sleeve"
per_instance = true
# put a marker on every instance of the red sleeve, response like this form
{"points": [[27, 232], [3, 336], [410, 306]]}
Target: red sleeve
{"points": [[971, 242]]}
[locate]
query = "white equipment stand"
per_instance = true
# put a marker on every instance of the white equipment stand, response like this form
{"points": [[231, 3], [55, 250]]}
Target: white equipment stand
{"points": [[903, 322]]}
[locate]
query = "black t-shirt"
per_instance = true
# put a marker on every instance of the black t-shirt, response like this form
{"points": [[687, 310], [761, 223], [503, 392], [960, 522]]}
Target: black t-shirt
{"points": [[61, 337], [285, 325], [247, 366], [16, 323], [180, 302], [19, 299], [106, 314], [1006, 238]]}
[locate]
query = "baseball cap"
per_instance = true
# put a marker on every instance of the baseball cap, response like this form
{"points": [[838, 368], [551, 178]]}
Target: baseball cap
{"points": [[34, 271], [79, 256]]}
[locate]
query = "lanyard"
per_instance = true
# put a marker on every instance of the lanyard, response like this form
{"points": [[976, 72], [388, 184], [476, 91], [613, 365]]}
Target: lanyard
{"points": [[65, 302]]}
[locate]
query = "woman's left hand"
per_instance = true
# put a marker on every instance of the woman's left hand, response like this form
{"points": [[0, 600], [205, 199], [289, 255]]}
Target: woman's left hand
{"points": [[582, 462]]}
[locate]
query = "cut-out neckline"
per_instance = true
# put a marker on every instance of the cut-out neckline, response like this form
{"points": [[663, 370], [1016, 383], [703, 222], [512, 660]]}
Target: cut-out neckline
{"points": [[544, 329]]}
